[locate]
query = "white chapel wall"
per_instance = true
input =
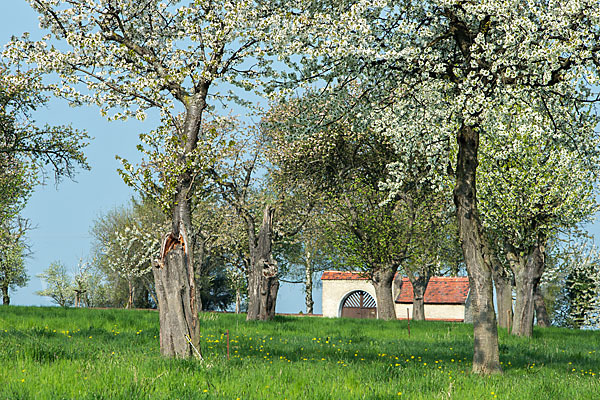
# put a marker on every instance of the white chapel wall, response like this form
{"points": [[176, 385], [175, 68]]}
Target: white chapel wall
{"points": [[433, 311], [335, 290]]}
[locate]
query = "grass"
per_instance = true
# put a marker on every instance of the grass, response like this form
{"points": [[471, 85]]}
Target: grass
{"points": [[54, 353]]}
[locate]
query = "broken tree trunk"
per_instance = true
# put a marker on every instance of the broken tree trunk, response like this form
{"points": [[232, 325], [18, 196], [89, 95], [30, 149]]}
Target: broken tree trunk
{"points": [[176, 289], [263, 280]]}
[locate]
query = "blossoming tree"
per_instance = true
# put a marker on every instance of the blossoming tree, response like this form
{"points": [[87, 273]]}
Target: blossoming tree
{"points": [[573, 278], [317, 143], [129, 56], [536, 181], [451, 64]]}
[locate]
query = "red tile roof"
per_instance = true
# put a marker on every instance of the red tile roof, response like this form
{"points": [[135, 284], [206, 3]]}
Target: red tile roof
{"points": [[342, 275], [440, 290]]}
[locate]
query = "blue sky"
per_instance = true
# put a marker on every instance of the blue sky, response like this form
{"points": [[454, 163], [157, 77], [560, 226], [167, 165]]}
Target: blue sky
{"points": [[63, 214]]}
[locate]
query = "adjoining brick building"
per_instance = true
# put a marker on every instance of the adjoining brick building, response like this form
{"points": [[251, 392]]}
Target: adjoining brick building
{"points": [[352, 295]]}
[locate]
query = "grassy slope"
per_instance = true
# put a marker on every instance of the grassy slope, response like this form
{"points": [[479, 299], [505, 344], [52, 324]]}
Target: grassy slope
{"points": [[52, 353]]}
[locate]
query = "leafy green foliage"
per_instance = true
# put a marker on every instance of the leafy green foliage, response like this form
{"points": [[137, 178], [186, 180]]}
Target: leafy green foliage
{"points": [[35, 147], [333, 144]]}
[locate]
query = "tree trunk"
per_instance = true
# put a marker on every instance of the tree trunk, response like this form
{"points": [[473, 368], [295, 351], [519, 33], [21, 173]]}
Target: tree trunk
{"points": [[151, 291], [199, 272], [485, 332], [541, 313], [419, 285], [263, 282], [504, 301], [5, 296], [528, 272], [383, 279], [270, 297], [503, 284], [141, 294], [238, 301], [175, 288], [523, 319], [130, 293], [174, 275], [309, 287]]}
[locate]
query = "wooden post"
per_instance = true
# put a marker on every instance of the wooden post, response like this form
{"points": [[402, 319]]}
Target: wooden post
{"points": [[408, 319], [227, 344], [508, 320]]}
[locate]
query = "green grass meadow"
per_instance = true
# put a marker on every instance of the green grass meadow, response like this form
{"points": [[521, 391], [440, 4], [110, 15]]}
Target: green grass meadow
{"points": [[54, 353]]}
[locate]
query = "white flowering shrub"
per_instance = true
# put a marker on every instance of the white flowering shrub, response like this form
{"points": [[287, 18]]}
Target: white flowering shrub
{"points": [[573, 281]]}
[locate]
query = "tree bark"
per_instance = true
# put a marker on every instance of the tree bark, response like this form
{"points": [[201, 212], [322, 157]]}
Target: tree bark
{"points": [[528, 272], [270, 297], [5, 296], [141, 294], [541, 313], [485, 331], [419, 284], [175, 288], [130, 293], [503, 285], [150, 290], [263, 282], [199, 271], [174, 272], [383, 279], [178, 320], [308, 286], [238, 301]]}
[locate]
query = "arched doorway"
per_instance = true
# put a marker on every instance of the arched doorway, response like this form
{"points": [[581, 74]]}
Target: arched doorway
{"points": [[359, 304]]}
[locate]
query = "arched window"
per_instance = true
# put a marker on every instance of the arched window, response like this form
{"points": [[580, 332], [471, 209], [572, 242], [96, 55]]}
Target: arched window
{"points": [[359, 304]]}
